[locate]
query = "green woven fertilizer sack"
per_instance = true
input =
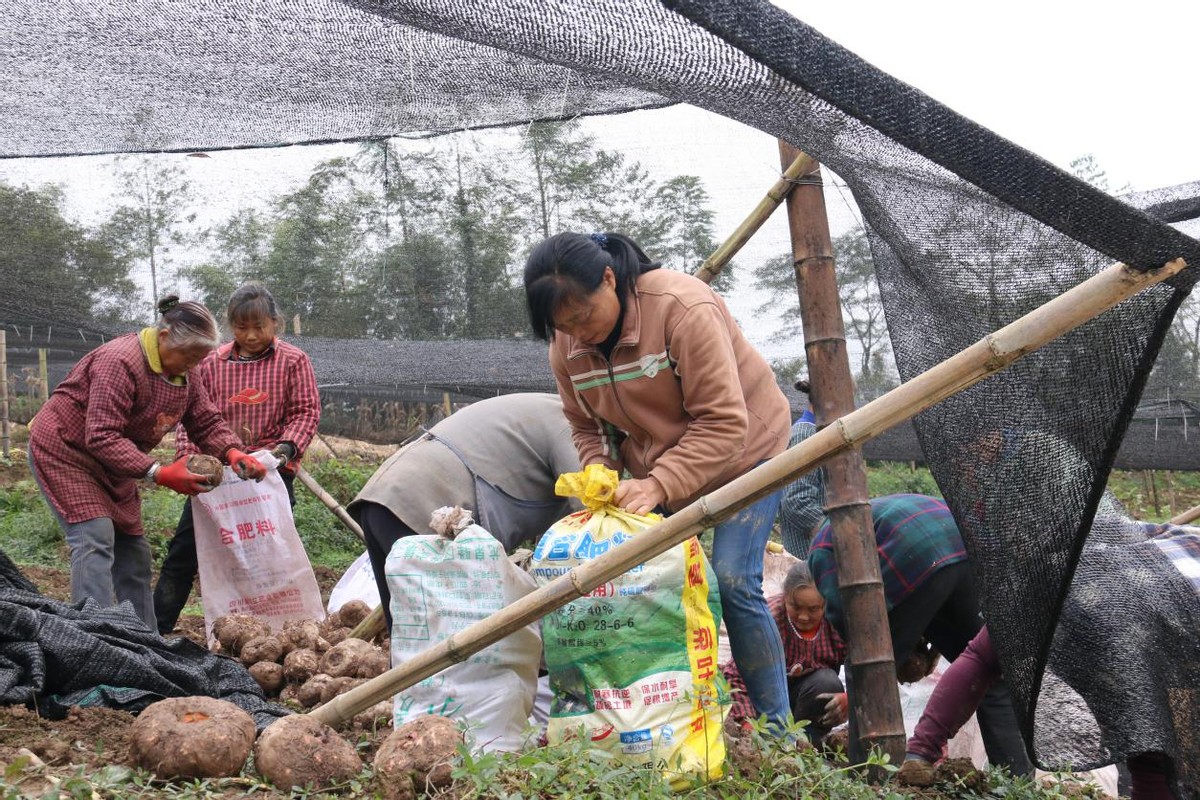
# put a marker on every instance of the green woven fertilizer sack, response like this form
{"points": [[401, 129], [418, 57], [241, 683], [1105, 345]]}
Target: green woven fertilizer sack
{"points": [[633, 666]]}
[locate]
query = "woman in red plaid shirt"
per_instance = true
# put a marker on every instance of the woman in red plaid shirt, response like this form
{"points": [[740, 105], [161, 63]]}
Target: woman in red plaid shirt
{"points": [[813, 653], [89, 446], [266, 390]]}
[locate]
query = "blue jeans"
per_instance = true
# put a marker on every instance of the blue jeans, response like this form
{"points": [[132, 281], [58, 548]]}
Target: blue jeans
{"points": [[738, 545]]}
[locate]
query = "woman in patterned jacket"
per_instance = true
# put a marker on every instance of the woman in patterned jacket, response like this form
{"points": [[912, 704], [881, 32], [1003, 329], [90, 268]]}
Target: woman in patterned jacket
{"points": [[813, 653], [90, 443], [266, 390], [657, 379]]}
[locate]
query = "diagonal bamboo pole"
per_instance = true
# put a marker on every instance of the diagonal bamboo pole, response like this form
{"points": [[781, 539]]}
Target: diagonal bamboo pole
{"points": [[374, 623], [371, 626], [712, 266], [330, 501], [961, 371]]}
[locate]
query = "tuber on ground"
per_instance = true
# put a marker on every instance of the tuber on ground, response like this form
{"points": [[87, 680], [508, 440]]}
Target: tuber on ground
{"points": [[311, 692], [300, 665], [261, 648], [299, 635], [336, 635], [234, 630], [373, 664], [299, 751], [374, 717], [342, 659], [352, 613], [268, 675], [192, 737], [418, 755]]}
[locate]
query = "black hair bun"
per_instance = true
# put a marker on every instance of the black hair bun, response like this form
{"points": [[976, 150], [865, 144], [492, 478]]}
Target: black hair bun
{"points": [[167, 303]]}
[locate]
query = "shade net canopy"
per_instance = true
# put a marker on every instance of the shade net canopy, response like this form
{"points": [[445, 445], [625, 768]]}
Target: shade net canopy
{"points": [[967, 231]]}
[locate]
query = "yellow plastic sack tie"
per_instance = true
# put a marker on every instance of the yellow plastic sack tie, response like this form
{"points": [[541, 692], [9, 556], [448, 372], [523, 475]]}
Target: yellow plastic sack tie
{"points": [[594, 486]]}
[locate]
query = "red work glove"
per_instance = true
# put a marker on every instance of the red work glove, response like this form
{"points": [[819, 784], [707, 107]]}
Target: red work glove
{"points": [[836, 709], [246, 467], [178, 477]]}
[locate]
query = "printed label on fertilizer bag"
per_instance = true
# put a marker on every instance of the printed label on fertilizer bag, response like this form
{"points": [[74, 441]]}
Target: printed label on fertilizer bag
{"points": [[633, 664]]}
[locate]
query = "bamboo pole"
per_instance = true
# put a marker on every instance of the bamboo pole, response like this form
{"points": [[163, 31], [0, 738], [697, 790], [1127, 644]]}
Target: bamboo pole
{"points": [[373, 624], [5, 433], [876, 718], [330, 501], [1184, 517], [712, 266], [961, 371]]}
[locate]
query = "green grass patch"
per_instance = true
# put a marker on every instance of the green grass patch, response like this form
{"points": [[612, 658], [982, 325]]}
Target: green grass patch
{"points": [[29, 534], [894, 477], [328, 542]]}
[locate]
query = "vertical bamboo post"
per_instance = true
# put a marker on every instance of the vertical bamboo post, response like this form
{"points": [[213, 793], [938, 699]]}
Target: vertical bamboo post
{"points": [[5, 435], [870, 666], [43, 376]]}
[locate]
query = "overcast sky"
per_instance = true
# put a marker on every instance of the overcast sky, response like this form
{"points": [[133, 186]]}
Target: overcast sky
{"points": [[1063, 79]]}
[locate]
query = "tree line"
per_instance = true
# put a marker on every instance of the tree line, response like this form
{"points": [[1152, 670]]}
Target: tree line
{"points": [[428, 242]]}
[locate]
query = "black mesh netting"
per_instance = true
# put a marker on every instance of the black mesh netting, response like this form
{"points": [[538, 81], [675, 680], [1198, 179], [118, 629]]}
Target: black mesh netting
{"points": [[54, 656], [967, 232]]}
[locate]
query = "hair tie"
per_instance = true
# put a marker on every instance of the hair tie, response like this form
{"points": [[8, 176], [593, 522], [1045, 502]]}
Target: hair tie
{"points": [[167, 305], [600, 239]]}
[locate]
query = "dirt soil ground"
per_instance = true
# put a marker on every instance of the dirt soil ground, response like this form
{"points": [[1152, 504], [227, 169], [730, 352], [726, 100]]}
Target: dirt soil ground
{"points": [[92, 739]]}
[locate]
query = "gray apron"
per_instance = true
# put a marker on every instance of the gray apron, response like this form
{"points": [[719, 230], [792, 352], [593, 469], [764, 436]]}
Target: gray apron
{"points": [[510, 519]]}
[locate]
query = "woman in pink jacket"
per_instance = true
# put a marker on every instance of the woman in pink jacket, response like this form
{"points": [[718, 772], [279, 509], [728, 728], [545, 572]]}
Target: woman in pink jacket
{"points": [[658, 381], [89, 448], [266, 390]]}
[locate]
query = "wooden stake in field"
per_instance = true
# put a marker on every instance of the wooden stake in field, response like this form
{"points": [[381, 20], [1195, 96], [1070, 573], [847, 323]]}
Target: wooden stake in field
{"points": [[876, 720], [5, 435], [43, 376], [961, 371]]}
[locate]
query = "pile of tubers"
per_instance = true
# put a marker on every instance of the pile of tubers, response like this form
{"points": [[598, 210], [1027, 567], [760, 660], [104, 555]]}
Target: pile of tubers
{"points": [[306, 662]]}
